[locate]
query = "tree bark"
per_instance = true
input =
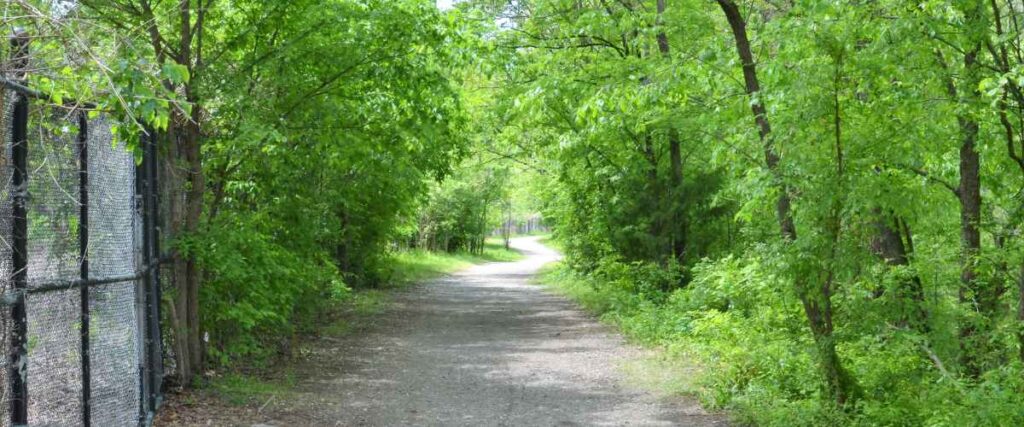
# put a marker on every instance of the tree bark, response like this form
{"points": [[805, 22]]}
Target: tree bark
{"points": [[508, 226], [662, 37], [654, 200], [195, 208], [968, 190], [970, 205]]}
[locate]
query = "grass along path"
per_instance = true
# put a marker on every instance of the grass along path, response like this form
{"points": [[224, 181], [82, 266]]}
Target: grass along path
{"points": [[417, 265]]}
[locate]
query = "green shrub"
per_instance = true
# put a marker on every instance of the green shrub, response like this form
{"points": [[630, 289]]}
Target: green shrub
{"points": [[256, 289]]}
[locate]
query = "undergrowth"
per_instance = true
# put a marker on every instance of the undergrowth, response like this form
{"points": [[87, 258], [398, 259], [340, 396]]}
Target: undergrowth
{"points": [[742, 339]]}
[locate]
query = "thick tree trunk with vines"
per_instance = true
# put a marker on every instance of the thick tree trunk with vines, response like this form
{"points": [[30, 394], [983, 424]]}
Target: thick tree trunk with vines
{"points": [[184, 183], [184, 188]]}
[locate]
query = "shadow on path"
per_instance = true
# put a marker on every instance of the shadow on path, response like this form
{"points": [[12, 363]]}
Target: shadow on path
{"points": [[481, 347]]}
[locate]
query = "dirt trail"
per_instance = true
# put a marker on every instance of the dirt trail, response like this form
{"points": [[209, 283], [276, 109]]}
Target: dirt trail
{"points": [[483, 347]]}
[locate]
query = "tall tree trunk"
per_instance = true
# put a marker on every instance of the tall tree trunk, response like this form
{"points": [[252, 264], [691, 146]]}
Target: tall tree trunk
{"points": [[970, 204], [181, 170], [817, 302], [969, 194], [508, 226], [184, 280], [654, 199], [753, 88], [195, 209], [185, 190], [188, 138], [678, 220]]}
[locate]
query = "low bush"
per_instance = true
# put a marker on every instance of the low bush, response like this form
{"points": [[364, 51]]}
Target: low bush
{"points": [[257, 290]]}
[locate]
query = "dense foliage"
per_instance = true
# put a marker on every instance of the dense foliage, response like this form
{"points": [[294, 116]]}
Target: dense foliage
{"points": [[323, 144], [460, 211], [821, 200], [296, 138]]}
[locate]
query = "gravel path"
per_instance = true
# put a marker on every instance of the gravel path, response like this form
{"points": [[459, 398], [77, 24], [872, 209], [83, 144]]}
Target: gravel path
{"points": [[483, 347]]}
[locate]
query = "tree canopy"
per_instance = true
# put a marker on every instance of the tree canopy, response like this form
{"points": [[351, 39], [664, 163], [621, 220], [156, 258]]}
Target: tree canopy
{"points": [[820, 201]]}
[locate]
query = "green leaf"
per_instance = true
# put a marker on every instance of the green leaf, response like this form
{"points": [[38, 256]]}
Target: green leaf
{"points": [[176, 73]]}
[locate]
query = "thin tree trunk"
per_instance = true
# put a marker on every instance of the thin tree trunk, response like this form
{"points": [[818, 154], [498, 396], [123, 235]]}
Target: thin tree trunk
{"points": [[753, 89], [657, 226], [676, 179], [678, 216], [508, 226], [817, 303]]}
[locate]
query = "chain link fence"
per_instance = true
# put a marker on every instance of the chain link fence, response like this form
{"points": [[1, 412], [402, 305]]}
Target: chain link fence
{"points": [[80, 335]]}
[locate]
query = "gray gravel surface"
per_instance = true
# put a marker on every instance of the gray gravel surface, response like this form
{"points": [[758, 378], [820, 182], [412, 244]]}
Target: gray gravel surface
{"points": [[483, 347]]}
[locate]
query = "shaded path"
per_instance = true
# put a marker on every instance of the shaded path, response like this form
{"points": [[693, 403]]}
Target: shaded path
{"points": [[482, 347]]}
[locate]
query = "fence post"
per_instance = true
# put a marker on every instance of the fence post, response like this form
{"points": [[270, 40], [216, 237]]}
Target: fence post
{"points": [[83, 250], [142, 286], [18, 363], [158, 345], [19, 327], [147, 179]]}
